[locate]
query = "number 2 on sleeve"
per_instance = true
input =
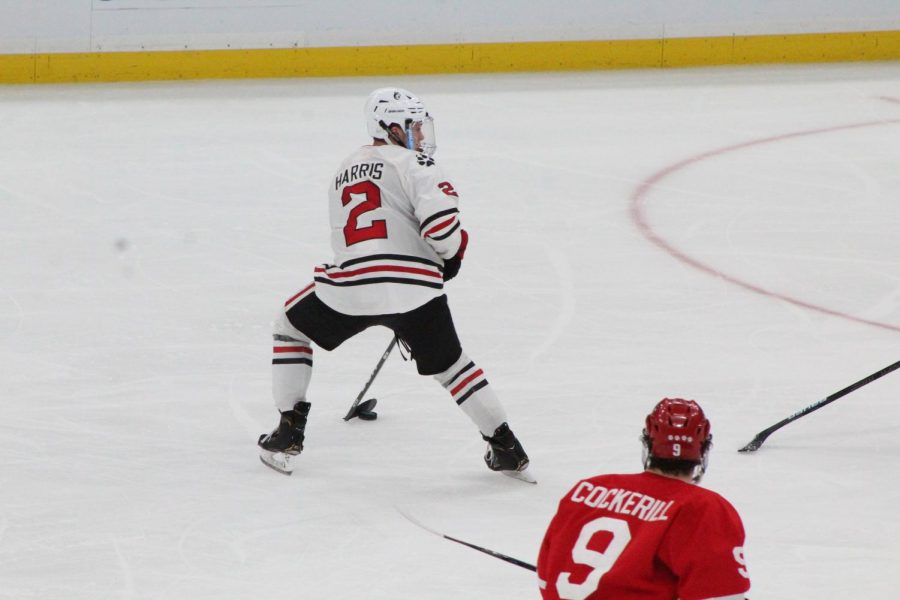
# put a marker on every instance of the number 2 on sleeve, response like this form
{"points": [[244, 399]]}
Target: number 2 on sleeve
{"points": [[601, 562], [353, 233]]}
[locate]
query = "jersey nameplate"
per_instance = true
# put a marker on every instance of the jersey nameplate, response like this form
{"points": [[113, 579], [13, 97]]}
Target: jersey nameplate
{"points": [[624, 502], [363, 171]]}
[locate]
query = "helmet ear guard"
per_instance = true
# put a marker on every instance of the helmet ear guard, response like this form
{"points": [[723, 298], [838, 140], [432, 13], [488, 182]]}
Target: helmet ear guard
{"points": [[392, 138]]}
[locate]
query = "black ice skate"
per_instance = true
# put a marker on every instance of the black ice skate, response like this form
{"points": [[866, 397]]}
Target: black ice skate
{"points": [[506, 455], [279, 448]]}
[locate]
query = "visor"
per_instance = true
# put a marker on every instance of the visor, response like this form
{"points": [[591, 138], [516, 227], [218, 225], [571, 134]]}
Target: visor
{"points": [[420, 136]]}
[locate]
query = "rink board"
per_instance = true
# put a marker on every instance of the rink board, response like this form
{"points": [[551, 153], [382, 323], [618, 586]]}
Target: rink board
{"points": [[448, 58]]}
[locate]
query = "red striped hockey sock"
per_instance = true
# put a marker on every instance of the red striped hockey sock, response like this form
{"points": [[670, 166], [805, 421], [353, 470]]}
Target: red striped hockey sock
{"points": [[291, 371], [470, 389]]}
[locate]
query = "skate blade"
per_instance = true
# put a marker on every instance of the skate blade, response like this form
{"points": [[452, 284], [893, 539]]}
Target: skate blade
{"points": [[523, 475], [279, 461]]}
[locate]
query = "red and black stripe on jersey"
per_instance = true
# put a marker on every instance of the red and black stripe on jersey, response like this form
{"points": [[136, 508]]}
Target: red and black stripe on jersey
{"points": [[440, 225], [382, 268]]}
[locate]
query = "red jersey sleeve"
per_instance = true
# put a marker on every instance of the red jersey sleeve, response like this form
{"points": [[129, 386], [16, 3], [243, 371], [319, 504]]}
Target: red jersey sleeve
{"points": [[704, 549]]}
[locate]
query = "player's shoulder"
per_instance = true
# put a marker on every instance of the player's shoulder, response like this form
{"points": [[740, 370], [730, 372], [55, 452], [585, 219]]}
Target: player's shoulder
{"points": [[709, 505], [691, 502], [637, 480], [423, 160], [360, 154], [669, 487], [412, 162], [613, 479]]}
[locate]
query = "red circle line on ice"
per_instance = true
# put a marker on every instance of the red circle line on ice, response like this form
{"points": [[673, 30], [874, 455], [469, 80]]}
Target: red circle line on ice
{"points": [[643, 190]]}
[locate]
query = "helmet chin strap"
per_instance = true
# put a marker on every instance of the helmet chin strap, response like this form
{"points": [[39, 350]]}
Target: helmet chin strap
{"points": [[645, 451], [700, 469], [394, 138], [698, 473]]}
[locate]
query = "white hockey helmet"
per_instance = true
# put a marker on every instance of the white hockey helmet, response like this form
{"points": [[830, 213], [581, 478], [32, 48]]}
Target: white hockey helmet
{"points": [[395, 106]]}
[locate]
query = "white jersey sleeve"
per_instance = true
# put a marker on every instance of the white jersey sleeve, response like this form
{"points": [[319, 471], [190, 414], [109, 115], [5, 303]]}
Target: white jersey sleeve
{"points": [[437, 207], [394, 220]]}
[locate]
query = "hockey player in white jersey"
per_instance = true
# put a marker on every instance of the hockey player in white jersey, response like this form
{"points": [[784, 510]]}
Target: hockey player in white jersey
{"points": [[397, 237]]}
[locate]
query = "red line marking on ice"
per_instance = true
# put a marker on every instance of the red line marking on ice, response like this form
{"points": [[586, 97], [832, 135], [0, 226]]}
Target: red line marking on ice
{"points": [[889, 99], [639, 199]]}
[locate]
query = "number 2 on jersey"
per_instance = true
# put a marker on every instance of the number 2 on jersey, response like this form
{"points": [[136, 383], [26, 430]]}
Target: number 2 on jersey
{"points": [[353, 233], [600, 562]]}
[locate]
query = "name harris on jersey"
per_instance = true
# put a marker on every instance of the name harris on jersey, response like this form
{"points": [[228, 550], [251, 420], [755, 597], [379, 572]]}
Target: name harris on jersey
{"points": [[621, 501], [361, 171]]}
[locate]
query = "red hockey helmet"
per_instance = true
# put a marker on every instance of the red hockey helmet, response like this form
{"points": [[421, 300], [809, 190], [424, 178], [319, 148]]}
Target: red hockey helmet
{"points": [[677, 429]]}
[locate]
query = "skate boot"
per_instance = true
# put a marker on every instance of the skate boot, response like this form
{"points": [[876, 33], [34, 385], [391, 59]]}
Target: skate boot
{"points": [[279, 448], [506, 455]]}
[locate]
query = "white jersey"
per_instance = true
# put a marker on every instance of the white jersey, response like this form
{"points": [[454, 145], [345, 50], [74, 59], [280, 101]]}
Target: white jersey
{"points": [[394, 220]]}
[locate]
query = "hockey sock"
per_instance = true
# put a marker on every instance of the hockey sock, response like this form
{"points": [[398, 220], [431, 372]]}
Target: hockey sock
{"points": [[470, 389], [291, 365]]}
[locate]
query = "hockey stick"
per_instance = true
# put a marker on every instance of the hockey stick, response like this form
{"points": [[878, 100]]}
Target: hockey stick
{"points": [[364, 411], [762, 435], [509, 559]]}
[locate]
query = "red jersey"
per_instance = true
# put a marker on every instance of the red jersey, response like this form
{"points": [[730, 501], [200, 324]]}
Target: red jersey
{"points": [[642, 537]]}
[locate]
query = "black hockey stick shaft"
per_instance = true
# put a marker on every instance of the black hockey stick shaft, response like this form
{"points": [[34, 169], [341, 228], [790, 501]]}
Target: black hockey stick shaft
{"points": [[765, 433], [509, 559], [503, 557], [352, 412]]}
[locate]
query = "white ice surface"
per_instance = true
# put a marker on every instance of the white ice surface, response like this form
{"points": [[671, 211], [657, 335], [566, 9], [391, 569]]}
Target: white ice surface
{"points": [[151, 231]]}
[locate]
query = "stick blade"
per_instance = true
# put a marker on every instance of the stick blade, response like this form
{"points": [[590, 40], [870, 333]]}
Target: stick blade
{"points": [[363, 410], [754, 445]]}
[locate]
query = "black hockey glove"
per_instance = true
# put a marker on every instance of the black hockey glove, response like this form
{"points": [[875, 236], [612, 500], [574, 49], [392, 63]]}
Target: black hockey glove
{"points": [[452, 265]]}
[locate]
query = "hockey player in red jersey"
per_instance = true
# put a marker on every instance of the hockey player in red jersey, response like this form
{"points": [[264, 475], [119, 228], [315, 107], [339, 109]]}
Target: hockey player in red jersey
{"points": [[397, 237], [653, 535]]}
